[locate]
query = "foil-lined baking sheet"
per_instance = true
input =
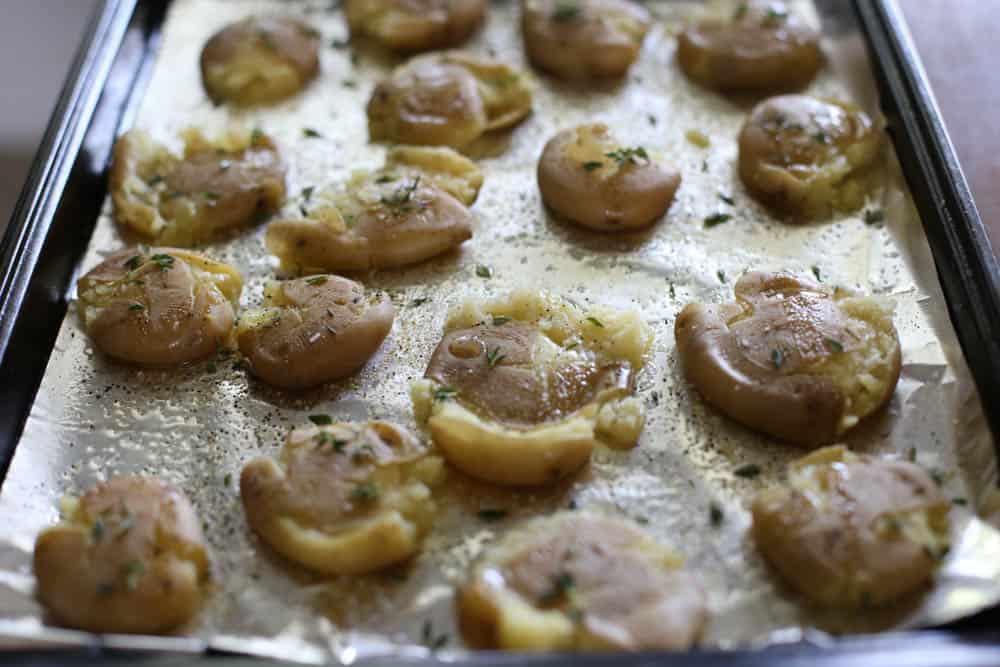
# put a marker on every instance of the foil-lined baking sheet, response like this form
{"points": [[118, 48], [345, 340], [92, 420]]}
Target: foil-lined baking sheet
{"points": [[197, 426]]}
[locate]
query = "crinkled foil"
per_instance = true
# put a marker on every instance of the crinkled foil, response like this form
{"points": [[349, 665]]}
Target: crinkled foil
{"points": [[197, 426]]}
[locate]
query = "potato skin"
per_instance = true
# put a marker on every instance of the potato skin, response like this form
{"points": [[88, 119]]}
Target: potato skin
{"points": [[308, 507], [159, 308], [583, 38], [259, 60], [850, 530], [761, 360], [755, 50], [313, 330], [610, 197], [806, 157], [416, 25], [580, 582], [129, 559]]}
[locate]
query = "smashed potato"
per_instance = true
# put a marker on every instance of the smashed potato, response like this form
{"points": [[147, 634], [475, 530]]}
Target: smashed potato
{"points": [[345, 498], [416, 25], [128, 557], [521, 389], [218, 185], [585, 176], [259, 60], [583, 38], [159, 306], [792, 358], [313, 330], [410, 210], [851, 530], [575, 581], [447, 99], [762, 46], [808, 157]]}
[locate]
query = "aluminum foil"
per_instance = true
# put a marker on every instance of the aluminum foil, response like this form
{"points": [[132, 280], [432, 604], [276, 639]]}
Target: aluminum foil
{"points": [[197, 426]]}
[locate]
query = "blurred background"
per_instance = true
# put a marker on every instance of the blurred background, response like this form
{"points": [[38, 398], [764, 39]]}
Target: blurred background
{"points": [[38, 39]]}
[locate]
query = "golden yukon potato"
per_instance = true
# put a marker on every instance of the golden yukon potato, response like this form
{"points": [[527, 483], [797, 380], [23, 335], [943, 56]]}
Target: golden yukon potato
{"points": [[128, 557], [416, 25], [259, 60], [791, 358], [851, 530], [580, 582], [345, 498], [583, 38], [520, 390], [585, 176], [447, 99], [808, 157], [218, 185], [410, 210], [313, 330], [159, 306], [763, 46]]}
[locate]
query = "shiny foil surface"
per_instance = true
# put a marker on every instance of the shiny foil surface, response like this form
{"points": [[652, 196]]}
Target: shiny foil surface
{"points": [[198, 425]]}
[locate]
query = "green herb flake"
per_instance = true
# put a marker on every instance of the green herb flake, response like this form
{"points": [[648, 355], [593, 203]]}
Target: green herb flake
{"points": [[592, 165], [310, 133], [566, 11], [307, 192], [776, 15], [715, 515], [727, 199], [722, 275], [652, 119], [228, 479], [873, 216], [133, 571], [154, 180], [163, 261], [256, 135], [136, 306], [419, 301], [212, 196], [672, 291], [364, 493], [340, 44], [401, 197], [444, 393], [747, 471], [815, 270], [492, 515], [494, 357], [133, 262], [316, 280], [484, 271], [959, 501], [911, 455], [777, 357], [500, 320], [628, 155], [596, 322], [704, 166], [430, 640], [717, 219], [741, 11], [349, 83], [821, 137], [562, 586], [321, 420], [834, 345], [97, 530]]}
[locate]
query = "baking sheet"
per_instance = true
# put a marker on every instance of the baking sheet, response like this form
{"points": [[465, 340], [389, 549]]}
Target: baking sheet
{"points": [[197, 426]]}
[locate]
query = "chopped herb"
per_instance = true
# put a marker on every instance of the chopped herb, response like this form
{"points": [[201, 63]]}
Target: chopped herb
{"points": [[815, 270], [321, 420], [385, 178], [340, 44], [715, 515], [349, 83], [265, 38], [134, 262], [565, 11], [307, 192], [562, 586], [444, 393], [256, 135], [777, 357], [304, 211], [494, 357], [212, 196], [419, 301], [834, 345], [748, 470], [136, 306], [652, 119], [572, 504], [592, 165], [572, 346], [722, 275], [364, 493], [959, 501], [704, 166], [316, 280], [628, 155], [402, 195], [673, 292], [717, 219], [874, 216], [429, 640], [97, 530], [911, 455], [596, 322], [937, 476], [642, 520], [775, 15], [500, 320], [484, 271], [310, 133], [163, 261], [491, 515], [228, 479], [821, 137], [154, 180], [726, 198], [133, 571]]}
